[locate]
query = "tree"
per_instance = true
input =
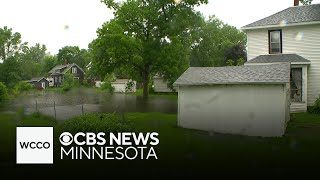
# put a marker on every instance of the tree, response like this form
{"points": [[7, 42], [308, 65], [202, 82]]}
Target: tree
{"points": [[10, 43], [48, 62], [10, 72], [235, 53], [216, 43], [73, 54], [146, 37], [306, 2], [31, 59]]}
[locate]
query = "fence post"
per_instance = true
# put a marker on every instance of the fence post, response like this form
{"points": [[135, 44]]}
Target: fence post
{"points": [[82, 108], [54, 108], [36, 106]]}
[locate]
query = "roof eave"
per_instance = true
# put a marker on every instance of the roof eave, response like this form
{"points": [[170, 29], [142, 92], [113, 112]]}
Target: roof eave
{"points": [[281, 26], [229, 83], [295, 63]]}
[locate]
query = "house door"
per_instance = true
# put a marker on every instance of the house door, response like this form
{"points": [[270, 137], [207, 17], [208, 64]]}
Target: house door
{"points": [[43, 85], [296, 85]]}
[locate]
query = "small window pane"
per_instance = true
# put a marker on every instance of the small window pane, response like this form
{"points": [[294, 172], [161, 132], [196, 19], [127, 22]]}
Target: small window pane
{"points": [[275, 36]]}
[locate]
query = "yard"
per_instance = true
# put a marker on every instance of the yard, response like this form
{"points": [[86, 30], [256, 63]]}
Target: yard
{"points": [[187, 152]]}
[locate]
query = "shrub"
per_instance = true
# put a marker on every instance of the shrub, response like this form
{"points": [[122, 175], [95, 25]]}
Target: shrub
{"points": [[3, 93], [106, 86], [22, 87], [315, 109], [69, 82], [130, 86], [98, 123]]}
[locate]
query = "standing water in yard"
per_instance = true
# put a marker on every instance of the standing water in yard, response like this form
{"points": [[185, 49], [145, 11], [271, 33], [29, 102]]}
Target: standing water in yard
{"points": [[85, 100]]}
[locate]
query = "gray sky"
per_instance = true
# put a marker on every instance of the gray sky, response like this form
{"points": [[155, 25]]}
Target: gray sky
{"points": [[57, 23]]}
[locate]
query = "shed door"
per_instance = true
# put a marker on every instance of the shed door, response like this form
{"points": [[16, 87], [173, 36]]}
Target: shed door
{"points": [[43, 85]]}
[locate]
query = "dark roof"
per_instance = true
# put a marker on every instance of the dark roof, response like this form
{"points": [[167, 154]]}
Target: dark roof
{"points": [[291, 15], [65, 68], [58, 67], [36, 79], [260, 74], [274, 58]]}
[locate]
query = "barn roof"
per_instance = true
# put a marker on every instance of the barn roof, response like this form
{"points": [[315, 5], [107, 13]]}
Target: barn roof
{"points": [[276, 58], [291, 15], [278, 73]]}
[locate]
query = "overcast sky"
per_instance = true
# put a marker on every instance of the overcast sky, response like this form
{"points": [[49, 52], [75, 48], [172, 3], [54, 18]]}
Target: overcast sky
{"points": [[57, 23]]}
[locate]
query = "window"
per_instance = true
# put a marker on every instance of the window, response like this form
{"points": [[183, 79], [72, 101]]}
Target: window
{"points": [[296, 85], [60, 79], [55, 79], [74, 70], [275, 41]]}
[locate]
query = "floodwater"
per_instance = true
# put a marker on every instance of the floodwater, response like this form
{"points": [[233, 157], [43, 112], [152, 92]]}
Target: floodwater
{"points": [[64, 105]]}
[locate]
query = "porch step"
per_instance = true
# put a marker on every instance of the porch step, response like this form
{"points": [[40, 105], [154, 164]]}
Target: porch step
{"points": [[298, 107]]}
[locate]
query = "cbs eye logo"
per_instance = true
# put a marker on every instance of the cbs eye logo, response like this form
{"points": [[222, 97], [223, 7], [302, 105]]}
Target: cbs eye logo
{"points": [[66, 138]]}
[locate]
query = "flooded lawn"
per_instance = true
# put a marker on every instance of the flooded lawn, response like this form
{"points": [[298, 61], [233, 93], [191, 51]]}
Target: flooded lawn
{"points": [[78, 101]]}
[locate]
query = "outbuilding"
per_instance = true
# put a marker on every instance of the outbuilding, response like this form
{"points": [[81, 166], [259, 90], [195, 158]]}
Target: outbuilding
{"points": [[39, 82], [124, 85], [246, 100]]}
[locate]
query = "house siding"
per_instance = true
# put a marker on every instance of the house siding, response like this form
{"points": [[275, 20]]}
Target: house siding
{"points": [[301, 40]]}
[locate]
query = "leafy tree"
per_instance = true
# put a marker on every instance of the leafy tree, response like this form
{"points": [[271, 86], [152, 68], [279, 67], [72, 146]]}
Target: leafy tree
{"points": [[48, 62], [235, 53], [31, 59], [73, 54], [3, 93], [68, 54], [146, 37], [216, 42], [10, 43], [10, 71]]}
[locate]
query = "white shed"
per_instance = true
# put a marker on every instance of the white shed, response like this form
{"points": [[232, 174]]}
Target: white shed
{"points": [[247, 100], [120, 85], [160, 85]]}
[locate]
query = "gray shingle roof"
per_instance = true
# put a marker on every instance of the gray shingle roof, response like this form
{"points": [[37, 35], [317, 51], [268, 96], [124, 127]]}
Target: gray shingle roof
{"points": [[53, 70], [295, 14], [260, 74], [64, 68], [274, 58], [36, 79]]}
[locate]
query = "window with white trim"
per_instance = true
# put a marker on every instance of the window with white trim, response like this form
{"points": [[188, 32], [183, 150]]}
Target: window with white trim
{"points": [[74, 70], [275, 41]]}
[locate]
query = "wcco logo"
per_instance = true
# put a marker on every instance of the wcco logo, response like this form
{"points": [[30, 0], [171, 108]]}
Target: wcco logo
{"points": [[34, 145]]}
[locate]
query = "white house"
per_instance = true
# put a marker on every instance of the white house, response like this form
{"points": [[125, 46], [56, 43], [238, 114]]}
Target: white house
{"points": [[291, 35], [248, 100]]}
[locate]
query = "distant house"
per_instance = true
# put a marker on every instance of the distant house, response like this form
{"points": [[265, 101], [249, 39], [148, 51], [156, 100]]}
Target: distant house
{"points": [[39, 83], [58, 73], [160, 85], [291, 35]]}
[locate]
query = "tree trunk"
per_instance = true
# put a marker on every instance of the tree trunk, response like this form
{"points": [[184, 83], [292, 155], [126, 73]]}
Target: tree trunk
{"points": [[146, 75]]}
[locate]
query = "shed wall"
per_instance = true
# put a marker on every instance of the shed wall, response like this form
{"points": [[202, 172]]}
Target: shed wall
{"points": [[257, 110]]}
